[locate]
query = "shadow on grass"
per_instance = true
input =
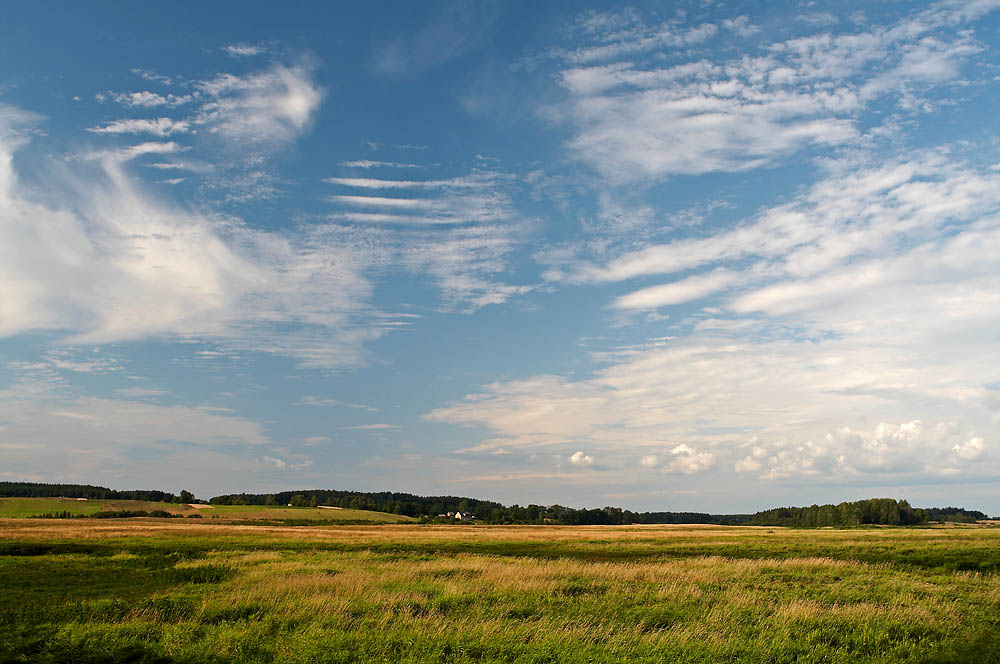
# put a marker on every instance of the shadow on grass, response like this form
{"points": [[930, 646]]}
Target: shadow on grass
{"points": [[983, 648]]}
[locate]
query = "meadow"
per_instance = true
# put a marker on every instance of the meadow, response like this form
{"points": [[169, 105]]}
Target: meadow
{"points": [[179, 590], [38, 507]]}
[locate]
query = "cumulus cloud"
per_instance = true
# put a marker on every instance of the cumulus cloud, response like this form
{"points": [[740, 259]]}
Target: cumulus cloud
{"points": [[906, 448], [578, 458], [689, 461], [282, 464], [970, 449]]}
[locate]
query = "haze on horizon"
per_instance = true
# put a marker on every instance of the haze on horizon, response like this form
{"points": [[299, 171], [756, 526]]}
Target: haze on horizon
{"points": [[685, 258]]}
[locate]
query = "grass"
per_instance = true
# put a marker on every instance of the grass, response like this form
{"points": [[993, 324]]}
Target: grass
{"points": [[191, 591], [27, 507], [277, 513], [35, 507]]}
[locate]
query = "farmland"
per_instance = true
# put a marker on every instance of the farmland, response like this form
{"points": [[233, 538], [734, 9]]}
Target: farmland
{"points": [[36, 507], [179, 590]]}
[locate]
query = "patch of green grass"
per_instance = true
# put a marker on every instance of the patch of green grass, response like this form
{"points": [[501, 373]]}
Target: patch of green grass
{"points": [[283, 513], [28, 507]]}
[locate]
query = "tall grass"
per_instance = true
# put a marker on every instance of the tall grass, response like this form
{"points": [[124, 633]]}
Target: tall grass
{"points": [[189, 592]]}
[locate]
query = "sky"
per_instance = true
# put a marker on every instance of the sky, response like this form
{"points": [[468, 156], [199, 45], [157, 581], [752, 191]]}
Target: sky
{"points": [[669, 256]]}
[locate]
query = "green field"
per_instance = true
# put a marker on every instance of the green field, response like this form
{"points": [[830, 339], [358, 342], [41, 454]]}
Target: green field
{"points": [[26, 507], [35, 507], [307, 513], [172, 590]]}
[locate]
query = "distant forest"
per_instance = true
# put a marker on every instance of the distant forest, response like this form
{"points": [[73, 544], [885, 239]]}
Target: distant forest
{"points": [[429, 507], [874, 511], [36, 490]]}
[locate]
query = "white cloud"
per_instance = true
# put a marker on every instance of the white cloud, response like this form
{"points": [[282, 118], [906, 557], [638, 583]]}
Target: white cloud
{"points": [[326, 403], [368, 163], [243, 50], [650, 461], [970, 449], [680, 291], [878, 302], [140, 392], [58, 423], [80, 361], [635, 119], [282, 464], [102, 260], [740, 25], [474, 181], [133, 151], [633, 37], [157, 127], [147, 99], [265, 109], [459, 231], [689, 461], [578, 458], [859, 210]]}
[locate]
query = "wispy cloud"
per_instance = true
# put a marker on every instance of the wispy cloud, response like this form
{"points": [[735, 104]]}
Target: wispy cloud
{"points": [[267, 108], [157, 127], [331, 403], [157, 148], [450, 31], [636, 119], [678, 292], [459, 231], [252, 116], [368, 163], [103, 260], [244, 50]]}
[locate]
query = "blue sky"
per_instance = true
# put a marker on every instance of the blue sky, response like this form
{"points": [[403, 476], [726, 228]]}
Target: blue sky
{"points": [[686, 257]]}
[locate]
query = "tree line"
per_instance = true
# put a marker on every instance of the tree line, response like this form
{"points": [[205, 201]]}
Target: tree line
{"points": [[39, 490], [874, 511], [486, 511]]}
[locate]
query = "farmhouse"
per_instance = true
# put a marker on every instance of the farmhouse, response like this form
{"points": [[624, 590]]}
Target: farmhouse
{"points": [[458, 515]]}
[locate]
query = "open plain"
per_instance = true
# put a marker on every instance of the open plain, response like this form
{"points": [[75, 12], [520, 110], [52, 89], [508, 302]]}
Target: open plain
{"points": [[172, 590]]}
